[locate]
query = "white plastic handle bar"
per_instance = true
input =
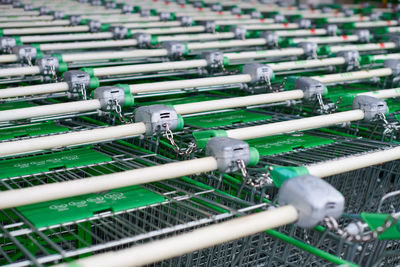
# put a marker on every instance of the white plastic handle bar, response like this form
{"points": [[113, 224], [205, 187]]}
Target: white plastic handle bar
{"points": [[352, 76], [140, 68], [137, 53], [363, 47], [190, 83], [21, 71], [351, 163], [227, 43], [34, 24], [34, 90], [347, 19], [49, 110], [197, 37], [279, 26], [327, 39], [380, 23], [265, 53], [270, 129], [290, 33], [312, 63], [88, 45], [383, 94], [25, 18], [393, 29], [39, 30], [201, 238], [159, 31], [8, 58], [244, 22], [235, 102], [65, 37], [71, 139], [386, 56], [47, 192], [159, 24]]}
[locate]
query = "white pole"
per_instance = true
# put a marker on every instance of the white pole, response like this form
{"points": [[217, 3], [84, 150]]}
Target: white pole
{"points": [[327, 39], [71, 139], [234, 102], [201, 238], [312, 63], [88, 45], [295, 125], [265, 53], [46, 192], [382, 94], [196, 37], [351, 163], [25, 18], [137, 53], [190, 83], [27, 31], [66, 37], [279, 26], [244, 22], [34, 90], [21, 71], [159, 31], [393, 29], [386, 56], [152, 24], [351, 76], [289, 33], [381, 23], [8, 58], [349, 19], [35, 24], [227, 43], [363, 47], [49, 110], [139, 68]]}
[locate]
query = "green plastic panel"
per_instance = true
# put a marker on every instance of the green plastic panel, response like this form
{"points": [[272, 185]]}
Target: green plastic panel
{"points": [[31, 130], [374, 220], [46, 162], [226, 118], [85, 206], [284, 143], [15, 105]]}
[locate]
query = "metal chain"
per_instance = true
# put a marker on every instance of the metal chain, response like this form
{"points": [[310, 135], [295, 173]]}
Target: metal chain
{"points": [[83, 91], [118, 109], [314, 55], [170, 136], [253, 182], [267, 80], [357, 63], [389, 127], [29, 60], [53, 73], [332, 224]]}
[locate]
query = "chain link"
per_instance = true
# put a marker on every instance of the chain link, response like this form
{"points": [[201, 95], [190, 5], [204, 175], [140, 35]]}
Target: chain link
{"points": [[53, 73], [83, 91], [333, 225], [389, 127], [118, 109], [29, 61], [256, 182], [170, 136], [267, 80]]}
